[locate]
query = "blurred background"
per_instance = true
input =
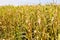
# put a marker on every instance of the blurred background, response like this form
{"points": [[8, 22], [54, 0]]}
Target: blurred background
{"points": [[28, 2]]}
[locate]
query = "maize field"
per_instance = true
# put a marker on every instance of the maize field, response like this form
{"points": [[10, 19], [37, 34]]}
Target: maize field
{"points": [[35, 22]]}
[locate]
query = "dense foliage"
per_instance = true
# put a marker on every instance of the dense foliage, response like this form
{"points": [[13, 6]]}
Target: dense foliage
{"points": [[29, 22]]}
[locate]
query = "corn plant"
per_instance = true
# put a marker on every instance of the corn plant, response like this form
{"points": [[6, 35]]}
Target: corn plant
{"points": [[29, 22]]}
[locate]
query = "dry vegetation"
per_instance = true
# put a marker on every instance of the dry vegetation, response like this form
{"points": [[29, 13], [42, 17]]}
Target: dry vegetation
{"points": [[29, 22]]}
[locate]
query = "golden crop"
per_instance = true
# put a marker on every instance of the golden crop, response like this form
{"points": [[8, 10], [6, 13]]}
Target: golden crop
{"points": [[29, 22]]}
